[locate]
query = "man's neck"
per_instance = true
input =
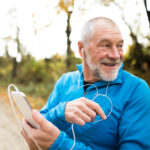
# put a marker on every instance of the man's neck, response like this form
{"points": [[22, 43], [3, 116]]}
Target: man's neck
{"points": [[88, 75]]}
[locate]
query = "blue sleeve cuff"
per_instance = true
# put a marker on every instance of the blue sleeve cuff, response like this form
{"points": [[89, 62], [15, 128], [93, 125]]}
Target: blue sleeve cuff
{"points": [[56, 113], [63, 142], [58, 142], [60, 111]]}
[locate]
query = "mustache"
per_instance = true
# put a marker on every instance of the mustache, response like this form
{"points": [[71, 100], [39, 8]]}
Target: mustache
{"points": [[111, 61]]}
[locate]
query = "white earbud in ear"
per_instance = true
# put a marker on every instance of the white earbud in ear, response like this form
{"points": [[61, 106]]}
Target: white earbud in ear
{"points": [[82, 53]]}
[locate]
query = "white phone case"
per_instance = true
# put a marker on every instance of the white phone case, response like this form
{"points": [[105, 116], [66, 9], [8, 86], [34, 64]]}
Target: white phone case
{"points": [[24, 107]]}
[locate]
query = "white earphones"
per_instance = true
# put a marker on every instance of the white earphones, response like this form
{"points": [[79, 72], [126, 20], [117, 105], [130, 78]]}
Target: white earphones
{"points": [[82, 53]]}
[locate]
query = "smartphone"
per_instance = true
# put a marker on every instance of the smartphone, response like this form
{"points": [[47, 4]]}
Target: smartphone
{"points": [[24, 107]]}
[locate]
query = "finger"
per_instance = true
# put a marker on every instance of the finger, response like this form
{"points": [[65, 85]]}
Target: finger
{"points": [[23, 133], [28, 130], [44, 124], [77, 120], [89, 112], [83, 116], [39, 119], [28, 139], [26, 136], [26, 133], [29, 134], [96, 107]]}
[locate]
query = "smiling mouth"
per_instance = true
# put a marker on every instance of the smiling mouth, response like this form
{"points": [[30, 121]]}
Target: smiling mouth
{"points": [[109, 64]]}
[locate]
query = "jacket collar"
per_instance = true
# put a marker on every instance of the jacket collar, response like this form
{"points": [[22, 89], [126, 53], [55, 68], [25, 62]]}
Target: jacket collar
{"points": [[100, 83]]}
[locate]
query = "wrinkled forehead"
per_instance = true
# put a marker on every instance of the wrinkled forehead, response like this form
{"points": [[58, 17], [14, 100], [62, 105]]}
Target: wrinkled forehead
{"points": [[104, 29], [103, 26]]}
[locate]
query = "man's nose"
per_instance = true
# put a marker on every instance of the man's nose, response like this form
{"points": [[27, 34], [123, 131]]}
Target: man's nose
{"points": [[114, 53]]}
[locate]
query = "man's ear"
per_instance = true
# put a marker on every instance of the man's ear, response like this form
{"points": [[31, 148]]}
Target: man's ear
{"points": [[80, 48]]}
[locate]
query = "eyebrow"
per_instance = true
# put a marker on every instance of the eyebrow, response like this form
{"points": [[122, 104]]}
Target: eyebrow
{"points": [[107, 40], [121, 41]]}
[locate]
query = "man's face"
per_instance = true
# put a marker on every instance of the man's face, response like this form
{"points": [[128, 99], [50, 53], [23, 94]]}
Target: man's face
{"points": [[104, 53]]}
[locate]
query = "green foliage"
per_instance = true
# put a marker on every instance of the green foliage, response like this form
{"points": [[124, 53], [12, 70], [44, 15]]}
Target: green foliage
{"points": [[35, 78], [71, 60], [31, 71], [137, 61], [5, 68], [138, 57]]}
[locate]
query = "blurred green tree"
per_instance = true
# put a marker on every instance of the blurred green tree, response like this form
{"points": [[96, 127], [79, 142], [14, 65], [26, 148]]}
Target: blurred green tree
{"points": [[67, 7], [14, 39]]}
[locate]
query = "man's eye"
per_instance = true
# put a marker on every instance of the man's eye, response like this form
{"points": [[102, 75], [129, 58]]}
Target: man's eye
{"points": [[105, 45], [120, 46]]}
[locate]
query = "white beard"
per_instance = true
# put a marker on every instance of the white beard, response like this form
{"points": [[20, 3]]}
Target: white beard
{"points": [[99, 72]]}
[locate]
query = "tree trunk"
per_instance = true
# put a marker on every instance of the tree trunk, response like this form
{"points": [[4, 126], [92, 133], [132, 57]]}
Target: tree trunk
{"points": [[68, 31], [148, 12], [14, 69]]}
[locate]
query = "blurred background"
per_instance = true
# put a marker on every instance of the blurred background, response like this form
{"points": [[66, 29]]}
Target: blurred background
{"points": [[38, 43], [38, 40]]}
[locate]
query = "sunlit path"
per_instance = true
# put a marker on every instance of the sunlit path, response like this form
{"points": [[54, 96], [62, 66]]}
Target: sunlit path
{"points": [[10, 138]]}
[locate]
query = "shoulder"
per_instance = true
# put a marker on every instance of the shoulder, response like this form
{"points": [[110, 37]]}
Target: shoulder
{"points": [[69, 78], [132, 80], [136, 87]]}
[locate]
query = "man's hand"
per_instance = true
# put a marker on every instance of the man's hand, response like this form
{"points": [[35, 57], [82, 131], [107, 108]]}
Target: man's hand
{"points": [[82, 110], [45, 136]]}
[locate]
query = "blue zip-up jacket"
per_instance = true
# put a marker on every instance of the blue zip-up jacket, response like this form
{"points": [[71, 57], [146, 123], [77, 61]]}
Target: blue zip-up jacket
{"points": [[128, 126]]}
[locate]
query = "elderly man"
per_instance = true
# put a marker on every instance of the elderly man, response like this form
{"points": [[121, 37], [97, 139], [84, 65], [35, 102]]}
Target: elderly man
{"points": [[100, 106]]}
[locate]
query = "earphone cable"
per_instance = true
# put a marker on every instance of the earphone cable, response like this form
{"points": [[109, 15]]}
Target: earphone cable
{"points": [[15, 114]]}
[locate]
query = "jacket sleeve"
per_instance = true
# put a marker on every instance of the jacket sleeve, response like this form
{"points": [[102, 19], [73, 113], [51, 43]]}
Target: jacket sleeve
{"points": [[134, 127], [63, 142], [54, 110]]}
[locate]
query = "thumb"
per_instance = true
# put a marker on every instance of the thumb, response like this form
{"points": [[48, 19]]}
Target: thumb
{"points": [[38, 118]]}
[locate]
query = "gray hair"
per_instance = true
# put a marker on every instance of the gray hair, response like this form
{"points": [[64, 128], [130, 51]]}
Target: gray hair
{"points": [[88, 28]]}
